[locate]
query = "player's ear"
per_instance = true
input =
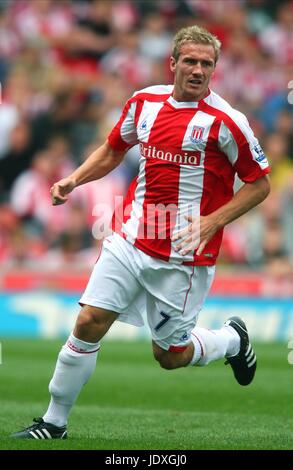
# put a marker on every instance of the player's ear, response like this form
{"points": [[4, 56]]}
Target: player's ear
{"points": [[172, 64]]}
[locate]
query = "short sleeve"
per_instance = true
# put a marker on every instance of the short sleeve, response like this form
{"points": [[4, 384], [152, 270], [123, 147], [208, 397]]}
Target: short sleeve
{"points": [[237, 141], [124, 134]]}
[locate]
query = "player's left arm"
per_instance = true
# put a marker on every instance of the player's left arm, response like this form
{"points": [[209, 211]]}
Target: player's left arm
{"points": [[237, 141], [202, 229]]}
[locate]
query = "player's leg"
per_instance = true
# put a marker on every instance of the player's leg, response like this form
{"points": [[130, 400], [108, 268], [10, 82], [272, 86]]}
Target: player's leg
{"points": [[93, 323], [171, 289], [173, 359], [205, 347], [215, 344], [174, 300], [232, 342], [76, 362], [209, 345], [109, 294], [110, 291]]}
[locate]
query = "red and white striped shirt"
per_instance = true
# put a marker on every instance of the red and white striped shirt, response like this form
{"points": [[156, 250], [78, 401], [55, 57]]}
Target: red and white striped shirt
{"points": [[189, 155]]}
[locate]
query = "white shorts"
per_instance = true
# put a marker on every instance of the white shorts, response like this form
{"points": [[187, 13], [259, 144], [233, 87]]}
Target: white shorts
{"points": [[131, 283]]}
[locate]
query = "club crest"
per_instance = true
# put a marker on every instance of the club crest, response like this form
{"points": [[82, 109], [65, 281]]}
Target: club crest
{"points": [[196, 134]]}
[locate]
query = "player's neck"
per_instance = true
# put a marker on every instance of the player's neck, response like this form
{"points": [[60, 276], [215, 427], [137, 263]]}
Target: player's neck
{"points": [[180, 96]]}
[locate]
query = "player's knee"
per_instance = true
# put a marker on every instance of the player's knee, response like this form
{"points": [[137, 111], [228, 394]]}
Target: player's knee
{"points": [[84, 325], [87, 321], [165, 359], [168, 363], [93, 321]]}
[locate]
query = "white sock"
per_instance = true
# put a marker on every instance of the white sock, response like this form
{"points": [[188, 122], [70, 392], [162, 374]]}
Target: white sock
{"points": [[216, 344], [75, 364], [198, 349], [234, 342]]}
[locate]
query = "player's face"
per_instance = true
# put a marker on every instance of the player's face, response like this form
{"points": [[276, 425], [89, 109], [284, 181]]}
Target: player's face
{"points": [[192, 71]]}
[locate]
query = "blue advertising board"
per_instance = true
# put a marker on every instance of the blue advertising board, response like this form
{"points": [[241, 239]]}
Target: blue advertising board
{"points": [[52, 315]]}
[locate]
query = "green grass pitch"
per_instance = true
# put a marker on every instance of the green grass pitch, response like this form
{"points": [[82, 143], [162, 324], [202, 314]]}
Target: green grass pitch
{"points": [[131, 403]]}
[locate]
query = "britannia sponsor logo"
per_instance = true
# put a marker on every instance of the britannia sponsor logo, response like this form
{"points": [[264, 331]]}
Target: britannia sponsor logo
{"points": [[184, 158]]}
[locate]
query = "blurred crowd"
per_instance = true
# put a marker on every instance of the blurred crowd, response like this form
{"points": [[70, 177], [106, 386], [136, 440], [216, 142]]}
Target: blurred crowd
{"points": [[66, 69]]}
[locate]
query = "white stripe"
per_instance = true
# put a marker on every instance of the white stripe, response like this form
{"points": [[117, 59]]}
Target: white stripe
{"points": [[128, 130], [64, 434], [132, 224], [190, 194], [250, 356], [248, 350], [199, 119], [156, 90], [34, 435], [40, 434], [149, 113], [46, 432], [228, 144], [182, 104], [252, 362], [241, 327]]}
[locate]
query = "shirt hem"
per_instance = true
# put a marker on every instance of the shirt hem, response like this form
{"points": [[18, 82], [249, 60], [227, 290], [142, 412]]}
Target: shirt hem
{"points": [[199, 262]]}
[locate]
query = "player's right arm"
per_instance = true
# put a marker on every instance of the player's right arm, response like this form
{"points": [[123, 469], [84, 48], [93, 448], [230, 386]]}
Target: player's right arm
{"points": [[98, 164]]}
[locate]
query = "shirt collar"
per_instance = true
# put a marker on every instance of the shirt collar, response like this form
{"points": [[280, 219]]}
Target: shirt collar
{"points": [[186, 104]]}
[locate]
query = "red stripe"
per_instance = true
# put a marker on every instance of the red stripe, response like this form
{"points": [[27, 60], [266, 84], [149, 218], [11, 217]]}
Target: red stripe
{"points": [[140, 98], [188, 290], [247, 170], [177, 349], [80, 351], [139, 105], [122, 212], [127, 206], [219, 174], [154, 98]]}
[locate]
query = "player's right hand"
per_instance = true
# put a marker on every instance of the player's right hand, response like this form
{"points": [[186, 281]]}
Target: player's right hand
{"points": [[60, 190]]}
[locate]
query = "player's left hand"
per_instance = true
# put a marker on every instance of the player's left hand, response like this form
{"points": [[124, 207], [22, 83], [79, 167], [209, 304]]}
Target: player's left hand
{"points": [[196, 235]]}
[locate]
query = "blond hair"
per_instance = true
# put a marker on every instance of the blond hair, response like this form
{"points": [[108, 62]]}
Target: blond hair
{"points": [[198, 35]]}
